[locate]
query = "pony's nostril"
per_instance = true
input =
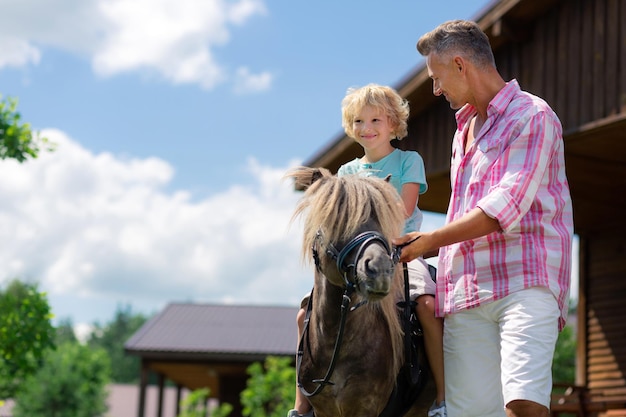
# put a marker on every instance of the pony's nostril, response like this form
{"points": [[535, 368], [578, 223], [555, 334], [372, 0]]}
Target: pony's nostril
{"points": [[373, 268]]}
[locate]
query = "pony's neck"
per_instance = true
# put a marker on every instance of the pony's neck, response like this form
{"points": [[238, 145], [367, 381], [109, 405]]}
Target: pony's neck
{"points": [[327, 301]]}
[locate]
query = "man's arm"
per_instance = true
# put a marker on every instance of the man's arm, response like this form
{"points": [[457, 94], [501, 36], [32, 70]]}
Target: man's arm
{"points": [[472, 225]]}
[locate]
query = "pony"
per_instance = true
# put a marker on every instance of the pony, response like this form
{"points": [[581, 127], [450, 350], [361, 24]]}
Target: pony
{"points": [[352, 348]]}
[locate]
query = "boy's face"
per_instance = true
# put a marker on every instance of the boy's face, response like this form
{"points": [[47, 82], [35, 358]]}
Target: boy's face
{"points": [[372, 128]]}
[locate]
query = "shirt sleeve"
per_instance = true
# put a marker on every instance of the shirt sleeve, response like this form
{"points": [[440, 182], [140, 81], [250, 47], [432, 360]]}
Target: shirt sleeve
{"points": [[520, 168], [413, 170]]}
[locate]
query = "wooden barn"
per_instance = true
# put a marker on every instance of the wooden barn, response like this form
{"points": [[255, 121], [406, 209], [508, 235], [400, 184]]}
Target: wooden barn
{"points": [[573, 54]]}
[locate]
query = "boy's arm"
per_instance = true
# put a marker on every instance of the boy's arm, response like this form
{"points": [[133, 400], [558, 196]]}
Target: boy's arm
{"points": [[410, 196]]}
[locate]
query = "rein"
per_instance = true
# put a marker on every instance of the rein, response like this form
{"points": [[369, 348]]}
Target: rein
{"points": [[361, 241], [321, 383]]}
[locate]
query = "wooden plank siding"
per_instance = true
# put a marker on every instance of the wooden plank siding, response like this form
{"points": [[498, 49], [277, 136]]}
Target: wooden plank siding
{"points": [[612, 58], [606, 322], [621, 56], [430, 136], [571, 75]]}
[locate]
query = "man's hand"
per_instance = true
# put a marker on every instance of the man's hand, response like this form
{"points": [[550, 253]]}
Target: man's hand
{"points": [[409, 246]]}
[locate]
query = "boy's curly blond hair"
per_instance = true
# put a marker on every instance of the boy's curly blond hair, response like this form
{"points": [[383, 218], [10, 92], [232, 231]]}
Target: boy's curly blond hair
{"points": [[378, 96]]}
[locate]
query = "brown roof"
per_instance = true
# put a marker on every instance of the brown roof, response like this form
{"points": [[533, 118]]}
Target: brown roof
{"points": [[217, 332]]}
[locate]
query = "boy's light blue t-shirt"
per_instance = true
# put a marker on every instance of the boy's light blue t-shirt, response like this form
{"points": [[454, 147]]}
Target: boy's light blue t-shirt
{"points": [[404, 167]]}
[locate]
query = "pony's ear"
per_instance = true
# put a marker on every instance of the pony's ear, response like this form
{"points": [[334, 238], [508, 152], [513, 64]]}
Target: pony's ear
{"points": [[388, 178], [316, 175], [305, 176]]}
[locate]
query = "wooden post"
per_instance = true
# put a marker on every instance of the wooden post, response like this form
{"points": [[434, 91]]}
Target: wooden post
{"points": [[143, 382]]}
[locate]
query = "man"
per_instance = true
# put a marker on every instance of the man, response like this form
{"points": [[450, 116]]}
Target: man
{"points": [[505, 250]]}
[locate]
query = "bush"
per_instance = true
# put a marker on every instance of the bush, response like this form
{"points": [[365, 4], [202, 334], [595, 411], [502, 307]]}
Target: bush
{"points": [[270, 390]]}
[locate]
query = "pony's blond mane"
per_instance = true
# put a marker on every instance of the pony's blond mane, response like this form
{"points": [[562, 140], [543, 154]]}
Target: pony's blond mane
{"points": [[338, 207]]}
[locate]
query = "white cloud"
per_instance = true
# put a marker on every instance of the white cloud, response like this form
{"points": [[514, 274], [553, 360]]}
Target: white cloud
{"points": [[171, 38], [245, 82], [93, 226], [17, 52]]}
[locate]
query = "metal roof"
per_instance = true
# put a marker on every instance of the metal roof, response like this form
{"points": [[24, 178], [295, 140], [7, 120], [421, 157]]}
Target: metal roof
{"points": [[217, 330]]}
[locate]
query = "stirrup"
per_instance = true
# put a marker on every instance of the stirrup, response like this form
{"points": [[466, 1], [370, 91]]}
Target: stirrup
{"points": [[294, 413]]}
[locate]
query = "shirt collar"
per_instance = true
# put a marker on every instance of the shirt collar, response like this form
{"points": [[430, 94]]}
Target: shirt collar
{"points": [[501, 101], [497, 104]]}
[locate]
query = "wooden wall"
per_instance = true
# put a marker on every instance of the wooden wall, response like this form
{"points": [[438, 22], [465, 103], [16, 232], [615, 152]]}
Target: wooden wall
{"points": [[574, 58], [604, 368]]}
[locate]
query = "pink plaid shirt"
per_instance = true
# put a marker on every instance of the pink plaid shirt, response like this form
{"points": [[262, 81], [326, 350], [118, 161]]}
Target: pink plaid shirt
{"points": [[515, 172]]}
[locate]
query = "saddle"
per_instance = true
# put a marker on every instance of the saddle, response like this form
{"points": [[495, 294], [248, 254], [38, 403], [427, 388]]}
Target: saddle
{"points": [[413, 376]]}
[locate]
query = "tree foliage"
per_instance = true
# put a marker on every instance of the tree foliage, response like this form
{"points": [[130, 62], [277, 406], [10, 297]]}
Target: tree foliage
{"points": [[26, 334], [112, 336], [64, 332], [270, 390], [70, 383], [17, 140], [195, 405], [564, 362]]}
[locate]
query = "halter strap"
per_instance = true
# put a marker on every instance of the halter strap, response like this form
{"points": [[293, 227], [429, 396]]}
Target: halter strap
{"points": [[321, 383]]}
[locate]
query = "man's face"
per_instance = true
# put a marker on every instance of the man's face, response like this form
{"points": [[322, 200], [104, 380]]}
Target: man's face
{"points": [[448, 80]]}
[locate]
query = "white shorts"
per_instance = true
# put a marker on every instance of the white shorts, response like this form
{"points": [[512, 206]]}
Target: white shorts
{"points": [[500, 352], [420, 281]]}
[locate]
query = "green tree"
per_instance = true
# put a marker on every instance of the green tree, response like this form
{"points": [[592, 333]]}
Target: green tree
{"points": [[270, 389], [564, 362], [195, 405], [26, 334], [112, 336], [17, 140], [70, 383], [64, 332]]}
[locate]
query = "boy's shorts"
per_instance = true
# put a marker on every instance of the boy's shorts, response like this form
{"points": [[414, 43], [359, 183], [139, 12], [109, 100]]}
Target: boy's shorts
{"points": [[500, 352], [420, 281]]}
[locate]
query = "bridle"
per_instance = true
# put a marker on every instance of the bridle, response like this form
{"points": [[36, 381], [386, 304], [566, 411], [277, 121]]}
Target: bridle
{"points": [[359, 242], [348, 272]]}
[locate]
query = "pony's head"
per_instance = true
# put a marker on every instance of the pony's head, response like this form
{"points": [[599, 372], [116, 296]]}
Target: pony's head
{"points": [[349, 222]]}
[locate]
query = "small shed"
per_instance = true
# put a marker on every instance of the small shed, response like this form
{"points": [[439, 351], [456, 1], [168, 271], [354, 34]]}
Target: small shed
{"points": [[205, 345]]}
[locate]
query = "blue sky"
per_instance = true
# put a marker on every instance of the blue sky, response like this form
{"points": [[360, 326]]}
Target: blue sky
{"points": [[174, 122]]}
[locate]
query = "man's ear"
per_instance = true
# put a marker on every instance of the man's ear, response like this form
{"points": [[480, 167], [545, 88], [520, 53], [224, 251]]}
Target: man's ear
{"points": [[459, 62]]}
